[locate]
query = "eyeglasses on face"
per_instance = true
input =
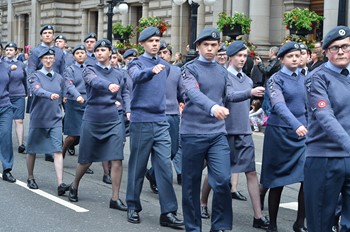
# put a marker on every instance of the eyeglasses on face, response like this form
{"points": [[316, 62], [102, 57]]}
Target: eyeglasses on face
{"points": [[335, 49]]}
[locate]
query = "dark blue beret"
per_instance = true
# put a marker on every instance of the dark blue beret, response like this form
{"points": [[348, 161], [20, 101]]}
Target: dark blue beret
{"points": [[303, 46], [11, 45], [337, 33], [46, 27], [103, 43], [114, 50], [46, 51], [208, 33], [148, 32], [222, 48], [78, 47], [288, 47], [164, 45], [129, 52], [235, 47], [61, 37], [90, 35]]}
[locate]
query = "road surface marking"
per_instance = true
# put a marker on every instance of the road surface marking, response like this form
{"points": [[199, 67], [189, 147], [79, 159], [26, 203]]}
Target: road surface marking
{"points": [[290, 205]]}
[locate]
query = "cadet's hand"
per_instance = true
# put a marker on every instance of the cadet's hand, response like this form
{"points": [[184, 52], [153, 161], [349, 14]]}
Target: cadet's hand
{"points": [[158, 68], [258, 91], [80, 99], [64, 100], [221, 112], [117, 103], [113, 88], [128, 116], [301, 131], [54, 96]]}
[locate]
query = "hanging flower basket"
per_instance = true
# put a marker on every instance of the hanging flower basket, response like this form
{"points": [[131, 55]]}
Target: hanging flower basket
{"points": [[301, 21], [302, 31], [124, 36], [236, 21], [161, 24], [121, 32], [232, 32]]}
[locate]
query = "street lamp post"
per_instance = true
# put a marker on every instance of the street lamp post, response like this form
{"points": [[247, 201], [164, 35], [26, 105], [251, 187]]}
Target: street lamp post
{"points": [[194, 4], [114, 6]]}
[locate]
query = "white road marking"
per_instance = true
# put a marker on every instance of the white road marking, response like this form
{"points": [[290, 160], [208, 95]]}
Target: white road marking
{"points": [[290, 205], [52, 198]]}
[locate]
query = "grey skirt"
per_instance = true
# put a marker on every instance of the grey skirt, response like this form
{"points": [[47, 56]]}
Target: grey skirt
{"points": [[44, 140]]}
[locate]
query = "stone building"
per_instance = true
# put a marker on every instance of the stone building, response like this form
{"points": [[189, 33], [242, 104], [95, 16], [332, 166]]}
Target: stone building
{"points": [[22, 19]]}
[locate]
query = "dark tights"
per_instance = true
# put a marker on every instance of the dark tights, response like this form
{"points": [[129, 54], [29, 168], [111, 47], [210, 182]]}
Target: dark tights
{"points": [[68, 142]]}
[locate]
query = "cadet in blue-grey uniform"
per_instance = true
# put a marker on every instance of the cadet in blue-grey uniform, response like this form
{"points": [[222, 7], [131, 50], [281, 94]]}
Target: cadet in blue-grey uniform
{"points": [[284, 141], [61, 42], [6, 117], [327, 166], [90, 42], [76, 98], [45, 126], [304, 57], [239, 131], [128, 56], [174, 95], [18, 91], [101, 137], [203, 133], [149, 131]]}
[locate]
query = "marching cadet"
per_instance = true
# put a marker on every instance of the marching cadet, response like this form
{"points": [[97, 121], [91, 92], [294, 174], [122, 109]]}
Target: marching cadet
{"points": [[149, 131], [304, 57], [45, 126], [101, 138], [327, 171], [90, 42], [61, 42], [18, 91]]}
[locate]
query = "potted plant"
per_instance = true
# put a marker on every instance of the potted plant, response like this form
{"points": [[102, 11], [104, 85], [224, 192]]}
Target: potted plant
{"points": [[237, 24], [121, 32], [161, 24], [301, 21]]}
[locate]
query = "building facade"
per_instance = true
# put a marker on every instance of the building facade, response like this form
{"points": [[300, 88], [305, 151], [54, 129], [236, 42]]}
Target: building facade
{"points": [[22, 19]]}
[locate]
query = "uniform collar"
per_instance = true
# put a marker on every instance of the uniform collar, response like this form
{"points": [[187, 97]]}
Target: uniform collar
{"points": [[334, 68]]}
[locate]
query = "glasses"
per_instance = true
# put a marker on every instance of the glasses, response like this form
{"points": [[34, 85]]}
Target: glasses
{"points": [[221, 55], [335, 49]]}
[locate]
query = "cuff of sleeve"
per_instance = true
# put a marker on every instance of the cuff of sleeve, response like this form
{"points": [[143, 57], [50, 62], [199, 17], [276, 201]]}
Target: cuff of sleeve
{"points": [[212, 110]]}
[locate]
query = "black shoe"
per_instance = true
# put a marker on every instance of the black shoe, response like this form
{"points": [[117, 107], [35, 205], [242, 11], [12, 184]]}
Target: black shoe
{"points": [[21, 149], [335, 228], [107, 179], [204, 212], [7, 176], [62, 189], [118, 204], [49, 158], [89, 171], [133, 216], [170, 220], [71, 151], [179, 179], [32, 184], [152, 183], [238, 196], [217, 231], [73, 194], [274, 229], [262, 222], [299, 229]]}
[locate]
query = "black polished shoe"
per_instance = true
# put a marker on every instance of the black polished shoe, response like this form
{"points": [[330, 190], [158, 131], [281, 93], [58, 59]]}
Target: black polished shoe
{"points": [[133, 216], [299, 229], [272, 229], [118, 204], [217, 231], [71, 151], [170, 220], [107, 179], [204, 212], [152, 183], [262, 222], [238, 196], [7, 176], [89, 171], [32, 184], [21, 149], [179, 179], [49, 159], [73, 194], [62, 189]]}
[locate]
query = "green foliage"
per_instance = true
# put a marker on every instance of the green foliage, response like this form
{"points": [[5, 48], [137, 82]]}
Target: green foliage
{"points": [[301, 19], [161, 24], [231, 21], [118, 28]]}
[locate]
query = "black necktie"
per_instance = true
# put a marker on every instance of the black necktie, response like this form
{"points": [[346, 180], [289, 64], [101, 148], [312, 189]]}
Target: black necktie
{"points": [[93, 55], [303, 71], [49, 74], [81, 66], [294, 74], [345, 72], [106, 68], [154, 58], [239, 75]]}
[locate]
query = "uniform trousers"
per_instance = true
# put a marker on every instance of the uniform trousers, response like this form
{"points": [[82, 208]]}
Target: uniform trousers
{"points": [[150, 138], [215, 149], [6, 151], [324, 179]]}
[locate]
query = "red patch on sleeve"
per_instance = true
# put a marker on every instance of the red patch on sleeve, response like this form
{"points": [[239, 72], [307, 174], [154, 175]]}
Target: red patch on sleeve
{"points": [[70, 82], [321, 104], [197, 85], [37, 86]]}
